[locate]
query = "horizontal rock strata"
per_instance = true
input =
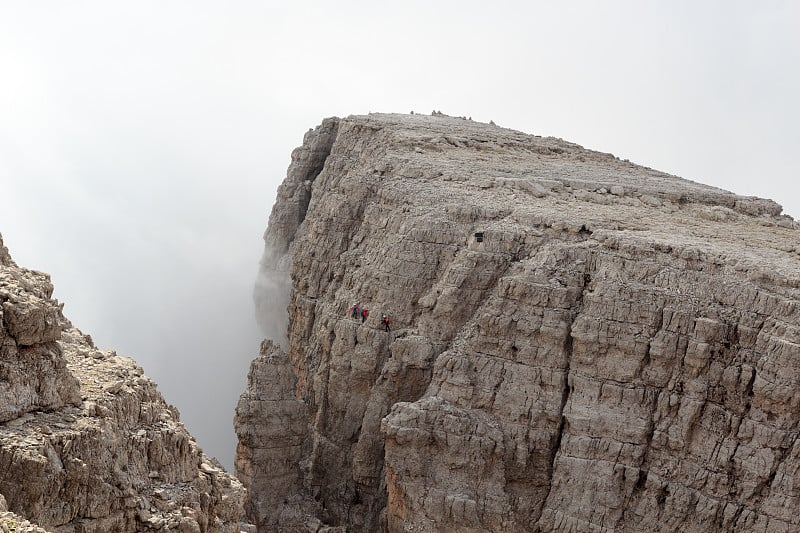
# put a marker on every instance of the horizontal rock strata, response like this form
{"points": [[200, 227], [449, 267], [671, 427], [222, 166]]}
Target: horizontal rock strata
{"points": [[577, 343], [271, 425], [87, 443]]}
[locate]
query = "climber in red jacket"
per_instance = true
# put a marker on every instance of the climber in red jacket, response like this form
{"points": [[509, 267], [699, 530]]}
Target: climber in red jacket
{"points": [[386, 322]]}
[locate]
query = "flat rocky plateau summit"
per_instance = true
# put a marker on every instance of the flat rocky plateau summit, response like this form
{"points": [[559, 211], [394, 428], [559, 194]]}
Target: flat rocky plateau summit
{"points": [[577, 343]]}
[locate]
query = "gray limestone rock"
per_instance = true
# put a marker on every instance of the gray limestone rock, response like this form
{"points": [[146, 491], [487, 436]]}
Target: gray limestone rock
{"points": [[577, 343], [272, 426], [33, 372], [87, 443]]}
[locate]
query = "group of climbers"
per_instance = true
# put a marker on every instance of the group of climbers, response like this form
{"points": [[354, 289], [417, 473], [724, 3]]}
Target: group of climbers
{"points": [[357, 311]]}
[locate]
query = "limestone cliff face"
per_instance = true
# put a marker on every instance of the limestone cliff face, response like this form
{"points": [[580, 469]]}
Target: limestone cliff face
{"points": [[87, 443], [577, 343]]}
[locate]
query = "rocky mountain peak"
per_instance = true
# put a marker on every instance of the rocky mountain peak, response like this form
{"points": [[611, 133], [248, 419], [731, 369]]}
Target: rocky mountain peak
{"points": [[576, 342]]}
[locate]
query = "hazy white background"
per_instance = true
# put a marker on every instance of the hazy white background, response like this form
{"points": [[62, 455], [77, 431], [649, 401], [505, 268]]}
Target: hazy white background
{"points": [[141, 143]]}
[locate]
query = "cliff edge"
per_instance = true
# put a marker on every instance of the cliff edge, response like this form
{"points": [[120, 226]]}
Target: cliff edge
{"points": [[576, 343], [87, 443]]}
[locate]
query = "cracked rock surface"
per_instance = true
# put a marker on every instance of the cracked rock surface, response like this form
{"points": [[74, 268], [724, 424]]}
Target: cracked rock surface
{"points": [[578, 343], [87, 443]]}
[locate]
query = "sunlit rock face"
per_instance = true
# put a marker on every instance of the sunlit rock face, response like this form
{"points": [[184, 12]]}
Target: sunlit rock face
{"points": [[576, 343], [87, 443]]}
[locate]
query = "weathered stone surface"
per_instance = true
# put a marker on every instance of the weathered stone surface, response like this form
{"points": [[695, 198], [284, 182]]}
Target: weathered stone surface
{"points": [[5, 258], [272, 285], [33, 373], [87, 443], [620, 351], [272, 426], [12, 523]]}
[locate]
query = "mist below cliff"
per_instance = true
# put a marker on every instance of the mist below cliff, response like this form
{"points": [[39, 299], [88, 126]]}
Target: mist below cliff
{"points": [[271, 295]]}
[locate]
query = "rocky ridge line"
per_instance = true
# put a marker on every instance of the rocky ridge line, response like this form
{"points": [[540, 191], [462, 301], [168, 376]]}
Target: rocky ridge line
{"points": [[87, 443]]}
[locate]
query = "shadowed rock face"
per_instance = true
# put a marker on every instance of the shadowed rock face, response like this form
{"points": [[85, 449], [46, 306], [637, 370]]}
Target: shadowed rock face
{"points": [[619, 352], [87, 443]]}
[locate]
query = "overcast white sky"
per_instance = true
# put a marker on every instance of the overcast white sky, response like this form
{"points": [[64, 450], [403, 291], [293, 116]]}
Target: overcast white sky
{"points": [[141, 143]]}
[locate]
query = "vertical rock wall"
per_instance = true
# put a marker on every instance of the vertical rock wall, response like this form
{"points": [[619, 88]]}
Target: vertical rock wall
{"points": [[272, 425], [273, 283], [616, 353]]}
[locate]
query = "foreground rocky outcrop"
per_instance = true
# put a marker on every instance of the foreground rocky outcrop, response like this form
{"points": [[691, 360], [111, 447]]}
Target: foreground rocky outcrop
{"points": [[578, 343], [87, 443]]}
